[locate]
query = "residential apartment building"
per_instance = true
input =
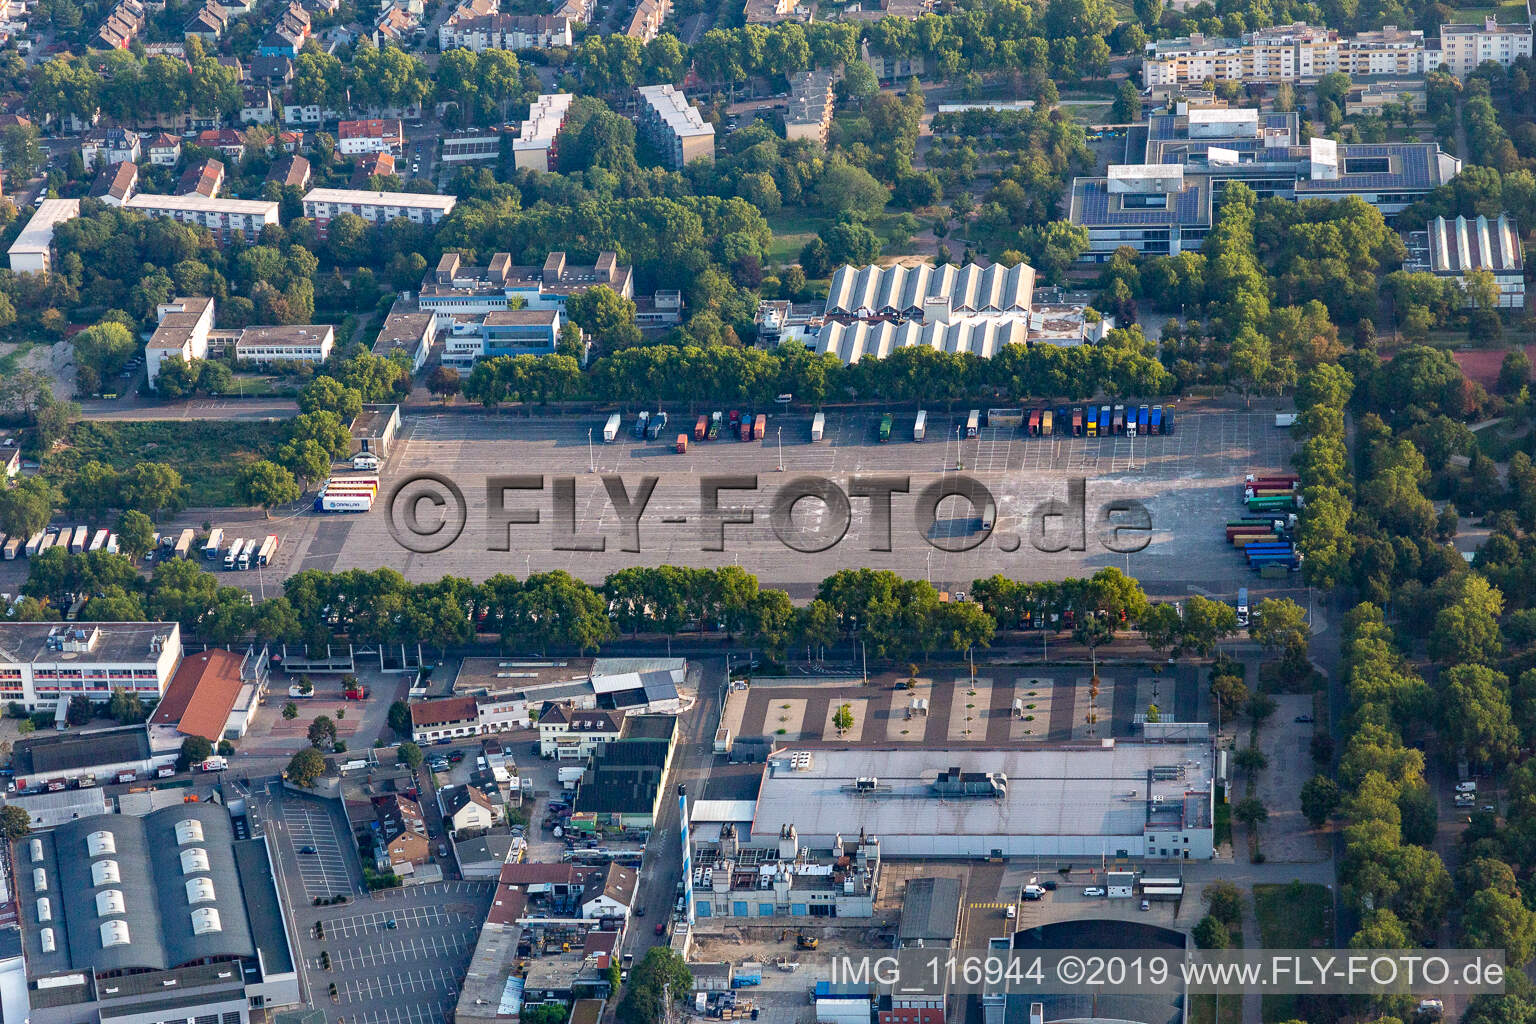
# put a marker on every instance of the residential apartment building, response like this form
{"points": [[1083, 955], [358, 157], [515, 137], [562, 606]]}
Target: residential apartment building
{"points": [[223, 217], [32, 252], [576, 11], [102, 147], [1286, 53], [290, 343], [163, 150], [675, 126], [373, 136], [256, 106], [321, 204], [290, 170], [811, 105], [570, 733], [1451, 249], [458, 291], [116, 183], [537, 146], [505, 32], [1464, 47], [207, 24], [229, 143], [400, 831], [645, 24], [122, 25], [43, 664], [769, 12]]}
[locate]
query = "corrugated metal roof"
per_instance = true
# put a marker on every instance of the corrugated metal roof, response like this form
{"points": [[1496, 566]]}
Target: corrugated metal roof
{"points": [[898, 290]]}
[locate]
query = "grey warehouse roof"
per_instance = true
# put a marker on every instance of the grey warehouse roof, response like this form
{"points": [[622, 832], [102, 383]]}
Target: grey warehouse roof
{"points": [[1461, 244], [899, 290], [930, 910], [981, 336], [157, 875]]}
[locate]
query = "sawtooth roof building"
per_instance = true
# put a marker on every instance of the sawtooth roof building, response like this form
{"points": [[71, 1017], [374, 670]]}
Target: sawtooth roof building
{"points": [[162, 917], [923, 292], [1452, 248]]}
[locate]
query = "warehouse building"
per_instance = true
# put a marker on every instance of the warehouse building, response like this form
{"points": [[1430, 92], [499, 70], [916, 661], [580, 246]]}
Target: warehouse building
{"points": [[1115, 799], [165, 917], [925, 293]]}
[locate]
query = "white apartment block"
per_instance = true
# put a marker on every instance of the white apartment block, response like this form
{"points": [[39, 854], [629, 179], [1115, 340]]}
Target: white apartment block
{"points": [[183, 328], [43, 664], [504, 32], [1286, 53], [354, 138], [1464, 47], [675, 126], [221, 216], [536, 147], [321, 204], [32, 252]]}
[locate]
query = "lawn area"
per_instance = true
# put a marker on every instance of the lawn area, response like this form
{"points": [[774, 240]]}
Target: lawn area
{"points": [[1294, 916], [259, 385], [206, 454], [11, 361], [1510, 13], [791, 230]]}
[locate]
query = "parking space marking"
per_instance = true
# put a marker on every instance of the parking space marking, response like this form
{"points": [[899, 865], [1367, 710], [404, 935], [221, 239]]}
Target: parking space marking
{"points": [[324, 872]]}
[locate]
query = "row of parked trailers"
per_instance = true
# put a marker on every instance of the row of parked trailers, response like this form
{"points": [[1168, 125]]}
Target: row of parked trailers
{"points": [[240, 553], [71, 538], [347, 494], [1044, 421], [1266, 536]]}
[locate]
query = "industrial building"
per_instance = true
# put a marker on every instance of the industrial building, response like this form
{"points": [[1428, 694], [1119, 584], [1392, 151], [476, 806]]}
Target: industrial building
{"points": [[674, 126], [72, 754], [1114, 799], [1451, 248], [43, 664], [1161, 201], [925, 293], [214, 695], [623, 781], [779, 876], [164, 917]]}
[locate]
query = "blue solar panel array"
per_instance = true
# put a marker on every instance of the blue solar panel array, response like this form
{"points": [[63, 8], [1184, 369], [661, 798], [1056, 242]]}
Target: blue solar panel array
{"points": [[1414, 161], [1096, 207]]}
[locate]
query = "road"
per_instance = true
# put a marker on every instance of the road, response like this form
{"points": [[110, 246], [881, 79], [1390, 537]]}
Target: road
{"points": [[661, 866]]}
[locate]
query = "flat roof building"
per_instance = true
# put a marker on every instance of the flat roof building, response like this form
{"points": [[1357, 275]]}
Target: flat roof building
{"points": [[184, 326], [455, 290], [43, 664], [322, 204], [1161, 200], [32, 252], [1116, 799], [811, 105], [1286, 53], [409, 332], [536, 147], [675, 126], [1466, 46], [222, 217], [289, 343]]}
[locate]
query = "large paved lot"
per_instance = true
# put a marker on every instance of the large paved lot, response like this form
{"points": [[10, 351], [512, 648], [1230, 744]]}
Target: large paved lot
{"points": [[1186, 481], [322, 870]]}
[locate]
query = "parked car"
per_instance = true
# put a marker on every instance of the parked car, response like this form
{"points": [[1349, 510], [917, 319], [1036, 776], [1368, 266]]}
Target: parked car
{"points": [[661, 927], [640, 910], [1304, 718], [308, 849], [1093, 890], [1466, 787], [1145, 905]]}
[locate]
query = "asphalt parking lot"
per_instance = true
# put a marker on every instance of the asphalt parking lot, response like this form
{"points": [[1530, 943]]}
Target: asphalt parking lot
{"points": [[323, 872], [408, 973], [1186, 481]]}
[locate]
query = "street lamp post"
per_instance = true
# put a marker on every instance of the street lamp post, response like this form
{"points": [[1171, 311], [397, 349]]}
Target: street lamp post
{"points": [[591, 456], [781, 449]]}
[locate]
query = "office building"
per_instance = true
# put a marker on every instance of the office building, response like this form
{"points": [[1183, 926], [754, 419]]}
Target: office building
{"points": [[408, 332], [536, 147], [1114, 799], [674, 126], [290, 343], [1286, 53], [1464, 47], [1451, 248], [321, 204], [44, 664], [453, 289], [226, 219], [162, 917], [1165, 203], [186, 331]]}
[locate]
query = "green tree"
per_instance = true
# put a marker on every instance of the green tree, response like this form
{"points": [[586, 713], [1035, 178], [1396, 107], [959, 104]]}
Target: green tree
{"points": [[662, 971], [1224, 901], [410, 755], [125, 706], [305, 767], [1319, 799], [1210, 933], [322, 731], [15, 823], [1497, 920], [150, 487], [267, 484], [26, 508], [80, 710], [399, 718], [135, 533], [849, 190], [546, 1013], [194, 750], [290, 711], [606, 315], [842, 719]]}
